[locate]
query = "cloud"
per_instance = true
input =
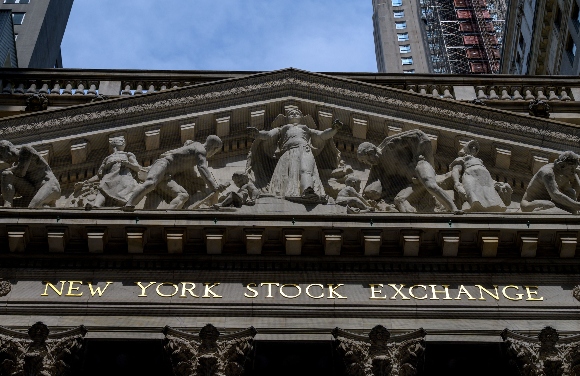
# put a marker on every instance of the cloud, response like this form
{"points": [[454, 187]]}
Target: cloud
{"points": [[221, 35]]}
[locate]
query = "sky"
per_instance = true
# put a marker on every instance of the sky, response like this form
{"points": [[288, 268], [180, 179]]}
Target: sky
{"points": [[254, 35]]}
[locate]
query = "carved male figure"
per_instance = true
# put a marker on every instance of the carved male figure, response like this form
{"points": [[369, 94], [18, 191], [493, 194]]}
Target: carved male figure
{"points": [[402, 167], [296, 172], [29, 175], [349, 197], [247, 193], [161, 174], [554, 185]]}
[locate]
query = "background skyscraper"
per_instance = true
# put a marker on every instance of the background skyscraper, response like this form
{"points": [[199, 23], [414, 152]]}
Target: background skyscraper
{"points": [[39, 26], [438, 36]]}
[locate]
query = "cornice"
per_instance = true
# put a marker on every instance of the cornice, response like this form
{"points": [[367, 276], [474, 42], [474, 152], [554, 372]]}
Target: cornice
{"points": [[290, 83]]}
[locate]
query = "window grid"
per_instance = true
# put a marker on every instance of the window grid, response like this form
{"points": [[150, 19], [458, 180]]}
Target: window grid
{"points": [[399, 14], [406, 48], [396, 3], [18, 18], [16, 1], [399, 25], [407, 61], [401, 37]]}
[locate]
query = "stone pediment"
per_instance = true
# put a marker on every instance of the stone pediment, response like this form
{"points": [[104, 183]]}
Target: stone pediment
{"points": [[74, 140]]}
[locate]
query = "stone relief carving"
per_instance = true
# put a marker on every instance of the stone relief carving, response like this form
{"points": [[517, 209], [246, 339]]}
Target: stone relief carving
{"points": [[402, 173], [543, 356], [379, 354], [476, 189], [39, 355], [539, 108], [163, 175], [576, 293], [350, 197], [29, 176], [5, 287], [247, 193], [114, 182], [36, 102], [555, 187], [285, 161], [210, 353]]}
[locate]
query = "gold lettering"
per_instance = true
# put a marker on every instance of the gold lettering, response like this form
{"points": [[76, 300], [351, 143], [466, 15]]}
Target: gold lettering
{"points": [[373, 291], [435, 292], [416, 297], [48, 284], [332, 292], [71, 288], [144, 288], [166, 284], [518, 296], [533, 292], [290, 296], [463, 290], [208, 291], [315, 297], [252, 290], [398, 292], [482, 289], [269, 284], [190, 289], [97, 289]]}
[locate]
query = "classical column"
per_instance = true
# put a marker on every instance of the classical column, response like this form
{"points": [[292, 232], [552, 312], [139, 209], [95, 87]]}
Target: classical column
{"points": [[209, 353], [38, 353], [379, 354], [543, 355]]}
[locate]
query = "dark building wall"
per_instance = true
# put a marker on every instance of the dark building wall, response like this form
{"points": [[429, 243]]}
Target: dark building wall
{"points": [[41, 33], [8, 57]]}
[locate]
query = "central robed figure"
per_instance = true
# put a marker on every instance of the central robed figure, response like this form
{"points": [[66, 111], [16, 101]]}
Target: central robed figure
{"points": [[285, 160]]}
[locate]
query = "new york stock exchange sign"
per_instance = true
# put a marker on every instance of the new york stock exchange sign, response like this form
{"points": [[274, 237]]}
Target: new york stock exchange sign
{"points": [[277, 291]]}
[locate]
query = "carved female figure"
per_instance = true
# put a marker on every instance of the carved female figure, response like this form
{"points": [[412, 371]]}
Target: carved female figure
{"points": [[117, 173], [475, 185]]}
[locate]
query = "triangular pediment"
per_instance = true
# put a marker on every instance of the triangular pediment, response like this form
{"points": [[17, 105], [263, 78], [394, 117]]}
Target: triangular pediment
{"points": [[75, 139]]}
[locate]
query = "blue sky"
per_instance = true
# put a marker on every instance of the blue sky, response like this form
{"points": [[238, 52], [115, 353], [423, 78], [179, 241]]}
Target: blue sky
{"points": [[315, 35]]}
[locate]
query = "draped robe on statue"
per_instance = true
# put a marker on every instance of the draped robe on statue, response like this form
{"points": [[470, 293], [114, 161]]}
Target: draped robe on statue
{"points": [[277, 165]]}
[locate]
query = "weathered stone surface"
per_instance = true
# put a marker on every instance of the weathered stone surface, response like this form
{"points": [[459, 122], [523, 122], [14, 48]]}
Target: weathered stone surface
{"points": [[543, 355], [40, 355], [209, 353], [379, 354]]}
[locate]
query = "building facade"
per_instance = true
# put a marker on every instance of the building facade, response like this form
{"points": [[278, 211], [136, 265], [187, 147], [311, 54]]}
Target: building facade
{"points": [[39, 27], [8, 55], [258, 223], [438, 36], [541, 38]]}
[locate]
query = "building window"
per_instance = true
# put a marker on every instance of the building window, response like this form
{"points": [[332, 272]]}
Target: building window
{"points": [[396, 3], [408, 71], [404, 49], [407, 60], [16, 1], [15, 37], [575, 15], [400, 25], [401, 37], [399, 14], [18, 18]]}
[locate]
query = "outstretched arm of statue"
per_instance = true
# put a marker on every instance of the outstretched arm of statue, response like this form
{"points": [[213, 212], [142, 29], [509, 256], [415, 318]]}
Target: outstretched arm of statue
{"points": [[329, 133], [207, 176], [257, 134], [556, 194]]}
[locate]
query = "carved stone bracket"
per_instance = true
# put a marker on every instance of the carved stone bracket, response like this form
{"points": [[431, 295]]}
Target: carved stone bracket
{"points": [[40, 353], [5, 287], [209, 353], [543, 355], [539, 108], [379, 354], [576, 293], [36, 102]]}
